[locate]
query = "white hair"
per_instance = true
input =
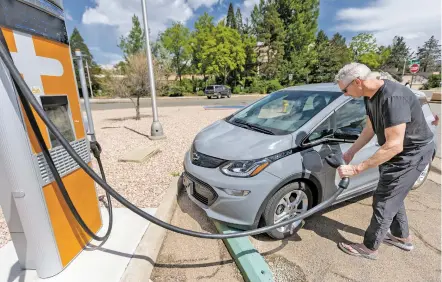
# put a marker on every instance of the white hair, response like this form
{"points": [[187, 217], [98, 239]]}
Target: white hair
{"points": [[352, 71]]}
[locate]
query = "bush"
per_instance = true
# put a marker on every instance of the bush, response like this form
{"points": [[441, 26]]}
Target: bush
{"points": [[434, 81], [186, 85], [236, 90], [273, 85], [200, 93]]}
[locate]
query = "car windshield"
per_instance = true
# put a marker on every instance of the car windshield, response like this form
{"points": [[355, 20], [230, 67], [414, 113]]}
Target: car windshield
{"points": [[209, 87], [283, 112]]}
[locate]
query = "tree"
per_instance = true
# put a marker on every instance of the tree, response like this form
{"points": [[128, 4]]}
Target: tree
{"points": [[257, 17], [429, 54], [231, 19], [331, 56], [361, 44], [239, 23], [77, 42], [321, 38], [399, 53], [134, 42], [202, 41], [134, 84], [176, 40], [338, 40], [300, 19], [271, 33], [228, 53]]}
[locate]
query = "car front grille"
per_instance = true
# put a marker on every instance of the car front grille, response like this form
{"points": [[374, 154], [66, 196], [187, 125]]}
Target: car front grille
{"points": [[200, 159], [202, 191]]}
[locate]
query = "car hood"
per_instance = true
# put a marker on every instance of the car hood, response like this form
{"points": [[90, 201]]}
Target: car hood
{"points": [[230, 142]]}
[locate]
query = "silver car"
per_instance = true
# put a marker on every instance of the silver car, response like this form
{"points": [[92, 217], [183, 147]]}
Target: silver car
{"points": [[253, 167]]}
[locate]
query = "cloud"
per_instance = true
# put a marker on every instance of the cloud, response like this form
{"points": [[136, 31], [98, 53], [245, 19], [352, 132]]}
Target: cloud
{"points": [[195, 4], [247, 7], [119, 13], [416, 22], [67, 15], [109, 57]]}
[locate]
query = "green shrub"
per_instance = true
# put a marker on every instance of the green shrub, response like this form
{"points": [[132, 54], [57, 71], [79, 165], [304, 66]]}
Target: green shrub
{"points": [[187, 85], [236, 90], [434, 81], [175, 91], [272, 86], [200, 93]]}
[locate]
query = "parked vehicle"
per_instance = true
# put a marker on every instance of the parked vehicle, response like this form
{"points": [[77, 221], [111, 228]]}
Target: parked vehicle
{"points": [[217, 91], [249, 170]]}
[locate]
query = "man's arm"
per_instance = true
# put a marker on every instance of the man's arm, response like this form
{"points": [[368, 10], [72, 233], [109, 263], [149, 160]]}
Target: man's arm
{"points": [[393, 145], [365, 137]]}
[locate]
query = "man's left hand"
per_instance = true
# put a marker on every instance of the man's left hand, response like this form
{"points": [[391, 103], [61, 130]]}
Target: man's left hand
{"points": [[348, 170]]}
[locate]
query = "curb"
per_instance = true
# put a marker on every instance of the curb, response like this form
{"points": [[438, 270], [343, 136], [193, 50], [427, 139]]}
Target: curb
{"points": [[143, 260], [252, 265], [126, 100]]}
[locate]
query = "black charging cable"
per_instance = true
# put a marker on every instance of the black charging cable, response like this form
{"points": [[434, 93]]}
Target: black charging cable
{"points": [[29, 97]]}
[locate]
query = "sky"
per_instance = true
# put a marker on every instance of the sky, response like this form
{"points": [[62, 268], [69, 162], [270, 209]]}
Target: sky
{"points": [[102, 22]]}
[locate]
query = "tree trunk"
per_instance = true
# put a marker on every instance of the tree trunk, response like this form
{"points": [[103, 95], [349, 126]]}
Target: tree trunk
{"points": [[137, 109]]}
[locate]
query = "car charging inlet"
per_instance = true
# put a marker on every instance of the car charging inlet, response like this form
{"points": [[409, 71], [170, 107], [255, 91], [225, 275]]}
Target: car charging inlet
{"points": [[28, 99]]}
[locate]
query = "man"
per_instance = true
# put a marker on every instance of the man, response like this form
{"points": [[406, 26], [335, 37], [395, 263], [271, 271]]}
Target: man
{"points": [[406, 147]]}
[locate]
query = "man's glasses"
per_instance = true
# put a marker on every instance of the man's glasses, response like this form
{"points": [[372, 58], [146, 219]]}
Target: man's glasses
{"points": [[345, 89]]}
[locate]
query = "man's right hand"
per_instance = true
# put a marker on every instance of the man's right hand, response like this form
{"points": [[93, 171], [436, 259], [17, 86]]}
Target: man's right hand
{"points": [[348, 156]]}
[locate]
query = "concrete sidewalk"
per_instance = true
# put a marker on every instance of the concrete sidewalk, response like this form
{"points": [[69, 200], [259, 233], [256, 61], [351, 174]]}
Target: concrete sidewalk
{"points": [[313, 255], [184, 258]]}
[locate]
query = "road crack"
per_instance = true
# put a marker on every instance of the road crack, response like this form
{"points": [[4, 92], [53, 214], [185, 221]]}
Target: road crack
{"points": [[426, 243]]}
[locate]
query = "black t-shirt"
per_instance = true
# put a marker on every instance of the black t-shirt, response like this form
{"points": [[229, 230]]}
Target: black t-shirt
{"points": [[394, 104]]}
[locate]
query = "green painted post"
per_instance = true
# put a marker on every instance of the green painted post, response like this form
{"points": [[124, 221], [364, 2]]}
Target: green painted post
{"points": [[252, 265]]}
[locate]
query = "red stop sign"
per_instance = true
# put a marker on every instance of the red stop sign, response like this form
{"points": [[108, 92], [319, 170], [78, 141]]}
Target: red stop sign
{"points": [[414, 68]]}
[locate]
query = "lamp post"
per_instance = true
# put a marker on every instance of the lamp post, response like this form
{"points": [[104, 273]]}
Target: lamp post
{"points": [[156, 127]]}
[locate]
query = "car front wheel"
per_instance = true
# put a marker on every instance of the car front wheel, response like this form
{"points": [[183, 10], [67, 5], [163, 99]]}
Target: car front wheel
{"points": [[291, 200]]}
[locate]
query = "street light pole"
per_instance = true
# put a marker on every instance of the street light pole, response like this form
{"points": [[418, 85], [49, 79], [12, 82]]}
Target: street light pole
{"points": [[89, 78], [156, 128]]}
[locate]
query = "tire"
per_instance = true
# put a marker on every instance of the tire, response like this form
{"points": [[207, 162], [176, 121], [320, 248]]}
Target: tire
{"points": [[219, 96], [422, 177], [208, 97], [275, 206]]}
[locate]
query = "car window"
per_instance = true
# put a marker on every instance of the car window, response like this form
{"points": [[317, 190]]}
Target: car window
{"points": [[209, 87], [349, 120], [285, 111]]}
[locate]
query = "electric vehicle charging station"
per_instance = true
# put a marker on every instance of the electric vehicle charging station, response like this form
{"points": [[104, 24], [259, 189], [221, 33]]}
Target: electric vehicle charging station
{"points": [[47, 190], [45, 234]]}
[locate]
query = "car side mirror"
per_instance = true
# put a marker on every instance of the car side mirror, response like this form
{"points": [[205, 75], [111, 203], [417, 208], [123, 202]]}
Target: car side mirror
{"points": [[347, 133]]}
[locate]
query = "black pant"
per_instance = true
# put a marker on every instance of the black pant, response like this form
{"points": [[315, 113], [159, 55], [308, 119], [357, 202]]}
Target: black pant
{"points": [[395, 182]]}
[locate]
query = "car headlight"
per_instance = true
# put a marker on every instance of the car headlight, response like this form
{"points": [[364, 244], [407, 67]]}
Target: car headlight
{"points": [[245, 168], [252, 167]]}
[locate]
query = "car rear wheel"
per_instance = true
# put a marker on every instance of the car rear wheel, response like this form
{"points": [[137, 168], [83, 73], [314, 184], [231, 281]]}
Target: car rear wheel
{"points": [[291, 200], [422, 177]]}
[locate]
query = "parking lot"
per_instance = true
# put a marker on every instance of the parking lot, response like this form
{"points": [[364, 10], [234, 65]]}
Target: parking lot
{"points": [[312, 253]]}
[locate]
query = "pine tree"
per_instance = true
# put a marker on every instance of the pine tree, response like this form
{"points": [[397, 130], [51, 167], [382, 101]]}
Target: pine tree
{"points": [[300, 20], [239, 23], [76, 41], [231, 20], [134, 42], [271, 33], [429, 55], [321, 38], [399, 53]]}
